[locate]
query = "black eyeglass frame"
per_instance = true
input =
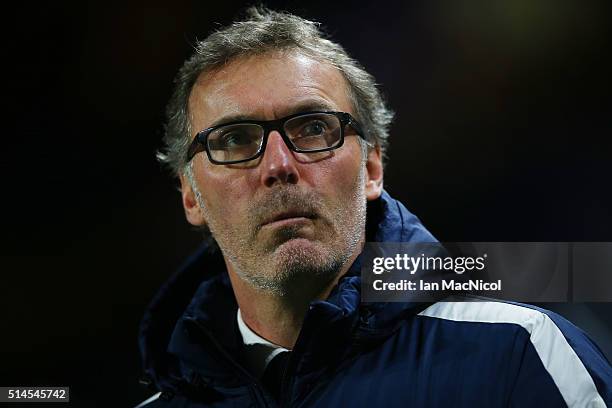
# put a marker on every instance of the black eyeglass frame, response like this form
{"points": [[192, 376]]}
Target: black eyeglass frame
{"points": [[200, 142]]}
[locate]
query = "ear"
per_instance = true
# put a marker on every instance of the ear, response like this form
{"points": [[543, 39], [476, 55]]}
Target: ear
{"points": [[193, 212], [374, 177]]}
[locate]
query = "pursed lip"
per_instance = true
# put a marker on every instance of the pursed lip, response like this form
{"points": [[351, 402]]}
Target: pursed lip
{"points": [[290, 215]]}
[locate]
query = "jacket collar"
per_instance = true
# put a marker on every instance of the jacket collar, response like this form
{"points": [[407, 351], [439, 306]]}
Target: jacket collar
{"points": [[195, 310]]}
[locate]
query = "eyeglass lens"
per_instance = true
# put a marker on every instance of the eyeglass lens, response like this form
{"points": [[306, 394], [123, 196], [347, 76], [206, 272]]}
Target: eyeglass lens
{"points": [[308, 133]]}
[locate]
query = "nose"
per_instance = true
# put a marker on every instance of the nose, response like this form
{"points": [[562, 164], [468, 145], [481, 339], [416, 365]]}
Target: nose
{"points": [[278, 164]]}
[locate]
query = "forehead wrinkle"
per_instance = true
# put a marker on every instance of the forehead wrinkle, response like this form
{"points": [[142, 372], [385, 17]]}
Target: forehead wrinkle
{"points": [[309, 82], [199, 100]]}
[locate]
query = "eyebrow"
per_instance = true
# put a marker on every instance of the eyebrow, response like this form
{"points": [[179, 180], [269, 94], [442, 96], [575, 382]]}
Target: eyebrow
{"points": [[304, 106]]}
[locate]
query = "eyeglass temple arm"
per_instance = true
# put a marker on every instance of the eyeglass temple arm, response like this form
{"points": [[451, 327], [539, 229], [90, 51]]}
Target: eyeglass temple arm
{"points": [[355, 125], [194, 148]]}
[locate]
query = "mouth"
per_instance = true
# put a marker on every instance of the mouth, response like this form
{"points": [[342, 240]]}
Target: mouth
{"points": [[289, 217]]}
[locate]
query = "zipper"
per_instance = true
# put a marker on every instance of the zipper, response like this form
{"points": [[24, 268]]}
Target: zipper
{"points": [[287, 381], [254, 384]]}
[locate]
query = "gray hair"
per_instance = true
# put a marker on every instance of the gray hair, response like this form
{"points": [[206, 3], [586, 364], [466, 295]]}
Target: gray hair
{"points": [[262, 31]]}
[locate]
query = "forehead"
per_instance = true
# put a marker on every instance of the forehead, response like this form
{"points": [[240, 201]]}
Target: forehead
{"points": [[267, 86]]}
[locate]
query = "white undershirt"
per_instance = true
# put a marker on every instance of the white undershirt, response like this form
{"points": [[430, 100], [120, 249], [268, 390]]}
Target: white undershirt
{"points": [[259, 351]]}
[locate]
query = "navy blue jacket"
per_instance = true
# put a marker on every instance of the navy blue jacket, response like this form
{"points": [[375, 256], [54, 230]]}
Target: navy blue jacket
{"points": [[349, 353]]}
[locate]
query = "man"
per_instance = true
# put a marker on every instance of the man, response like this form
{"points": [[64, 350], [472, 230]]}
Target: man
{"points": [[278, 139]]}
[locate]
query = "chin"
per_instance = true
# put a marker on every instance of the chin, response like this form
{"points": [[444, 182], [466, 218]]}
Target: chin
{"points": [[303, 257], [302, 249], [296, 267]]}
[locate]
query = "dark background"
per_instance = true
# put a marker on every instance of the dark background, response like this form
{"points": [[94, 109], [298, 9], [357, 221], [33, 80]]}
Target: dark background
{"points": [[501, 134]]}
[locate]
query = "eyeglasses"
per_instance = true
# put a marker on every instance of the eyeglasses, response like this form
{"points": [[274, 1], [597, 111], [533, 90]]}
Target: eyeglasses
{"points": [[241, 141]]}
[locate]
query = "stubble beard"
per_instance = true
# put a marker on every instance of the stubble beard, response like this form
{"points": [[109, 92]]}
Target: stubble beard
{"points": [[282, 266]]}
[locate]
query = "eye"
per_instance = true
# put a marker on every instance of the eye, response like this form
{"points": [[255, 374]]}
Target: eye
{"points": [[313, 128], [235, 138]]}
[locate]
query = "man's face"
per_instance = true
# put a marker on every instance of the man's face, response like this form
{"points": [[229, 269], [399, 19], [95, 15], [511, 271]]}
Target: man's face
{"points": [[284, 215]]}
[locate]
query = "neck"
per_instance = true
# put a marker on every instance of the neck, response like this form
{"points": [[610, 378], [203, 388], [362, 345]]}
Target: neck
{"points": [[279, 318]]}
